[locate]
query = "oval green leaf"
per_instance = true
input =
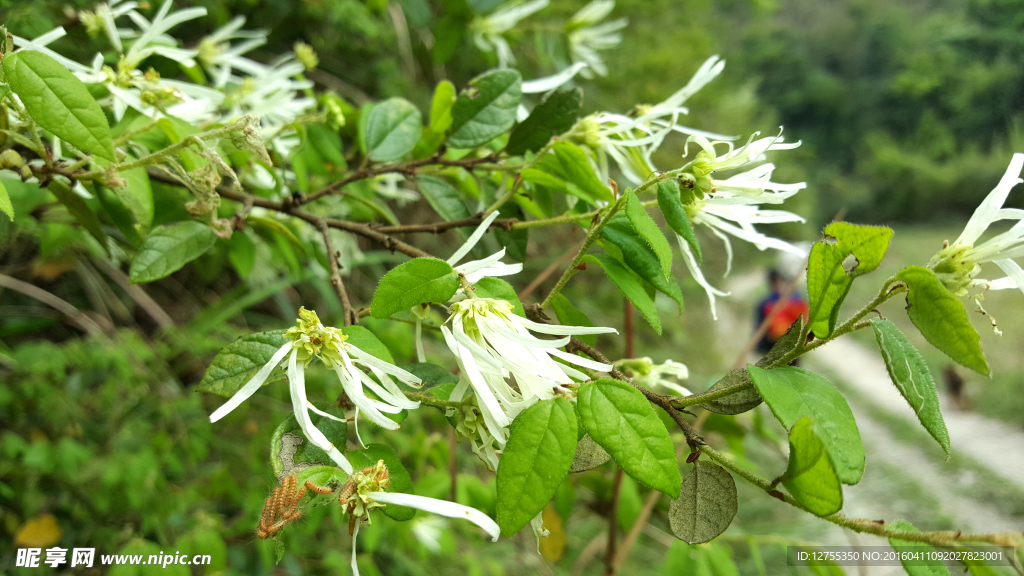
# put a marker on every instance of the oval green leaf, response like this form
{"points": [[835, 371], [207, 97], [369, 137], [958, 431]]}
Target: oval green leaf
{"points": [[490, 287], [540, 449], [418, 281], [589, 455], [442, 197], [168, 248], [706, 505], [59, 102], [909, 373], [239, 361], [392, 129], [647, 229], [622, 421], [485, 110], [628, 285], [909, 565], [942, 319], [675, 215], [793, 393], [810, 476], [552, 117]]}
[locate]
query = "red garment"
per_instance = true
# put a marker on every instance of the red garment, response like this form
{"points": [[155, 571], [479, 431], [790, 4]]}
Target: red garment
{"points": [[792, 309]]}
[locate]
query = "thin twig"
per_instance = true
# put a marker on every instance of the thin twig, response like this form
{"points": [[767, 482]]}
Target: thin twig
{"points": [[948, 538], [407, 168], [438, 227], [349, 313], [547, 272], [74, 315], [613, 520]]}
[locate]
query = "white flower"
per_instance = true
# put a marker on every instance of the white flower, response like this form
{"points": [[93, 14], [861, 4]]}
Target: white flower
{"points": [[311, 338], [472, 271], [655, 376], [152, 36], [364, 492], [587, 37], [217, 53], [631, 141], [494, 349], [488, 30], [959, 263], [731, 207], [490, 266]]}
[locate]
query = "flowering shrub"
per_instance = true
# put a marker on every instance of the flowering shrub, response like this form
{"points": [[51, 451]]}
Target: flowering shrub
{"points": [[250, 145]]}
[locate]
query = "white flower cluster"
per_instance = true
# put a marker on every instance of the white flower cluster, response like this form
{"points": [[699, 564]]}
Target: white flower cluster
{"points": [[958, 264], [239, 86]]}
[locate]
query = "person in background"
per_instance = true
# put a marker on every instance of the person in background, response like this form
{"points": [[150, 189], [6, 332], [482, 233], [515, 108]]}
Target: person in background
{"points": [[793, 307]]}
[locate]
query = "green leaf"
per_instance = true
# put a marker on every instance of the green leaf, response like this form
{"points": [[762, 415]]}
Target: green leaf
{"points": [[629, 287], [569, 315], [909, 372], [418, 281], [793, 393], [489, 287], [447, 38], [641, 258], [299, 454], [368, 342], [443, 197], [942, 319], [540, 449], [552, 117], [79, 209], [589, 454], [59, 102], [392, 129], [431, 374], [647, 229], [137, 196], [486, 110], [514, 241], [570, 163], [242, 253], [737, 402], [237, 363], [675, 215], [5, 202], [810, 477], [440, 119], [828, 282], [168, 248], [914, 568], [277, 227], [706, 504], [622, 421], [400, 479]]}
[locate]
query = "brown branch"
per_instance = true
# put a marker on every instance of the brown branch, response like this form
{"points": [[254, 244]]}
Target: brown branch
{"points": [[436, 228], [407, 168], [350, 315], [613, 520], [286, 207]]}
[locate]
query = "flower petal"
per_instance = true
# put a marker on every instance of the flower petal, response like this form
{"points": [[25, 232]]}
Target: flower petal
{"points": [[252, 385], [440, 507], [473, 239]]}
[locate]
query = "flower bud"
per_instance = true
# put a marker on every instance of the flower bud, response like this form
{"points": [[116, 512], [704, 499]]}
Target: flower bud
{"points": [[11, 160], [305, 54]]}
